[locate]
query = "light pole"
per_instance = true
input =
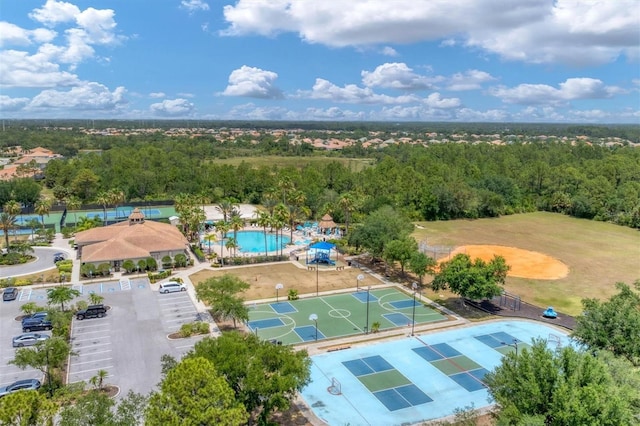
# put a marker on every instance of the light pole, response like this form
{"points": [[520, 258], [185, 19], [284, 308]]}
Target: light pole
{"points": [[366, 327], [314, 318], [414, 286], [358, 279], [513, 345], [279, 286]]}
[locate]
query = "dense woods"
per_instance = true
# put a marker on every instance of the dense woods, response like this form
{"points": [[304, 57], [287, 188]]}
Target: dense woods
{"points": [[436, 181]]}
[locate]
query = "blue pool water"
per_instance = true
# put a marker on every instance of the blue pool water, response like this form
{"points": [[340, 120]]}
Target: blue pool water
{"points": [[253, 241]]}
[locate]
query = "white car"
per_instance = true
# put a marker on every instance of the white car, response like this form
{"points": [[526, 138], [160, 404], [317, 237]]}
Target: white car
{"points": [[172, 286], [29, 339]]}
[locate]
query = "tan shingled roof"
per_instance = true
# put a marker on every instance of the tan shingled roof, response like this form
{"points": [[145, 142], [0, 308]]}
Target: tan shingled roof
{"points": [[124, 241]]}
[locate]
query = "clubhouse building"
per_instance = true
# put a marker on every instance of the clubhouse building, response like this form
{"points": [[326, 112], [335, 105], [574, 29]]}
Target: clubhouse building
{"points": [[133, 239]]}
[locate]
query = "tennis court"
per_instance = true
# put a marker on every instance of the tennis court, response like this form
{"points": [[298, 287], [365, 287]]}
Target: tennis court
{"points": [[416, 379], [338, 315]]}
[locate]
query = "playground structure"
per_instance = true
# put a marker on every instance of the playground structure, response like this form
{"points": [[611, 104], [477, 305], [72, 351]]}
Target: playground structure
{"points": [[511, 301], [320, 253], [550, 313]]}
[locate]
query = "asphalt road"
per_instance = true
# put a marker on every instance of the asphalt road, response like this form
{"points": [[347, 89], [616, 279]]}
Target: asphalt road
{"points": [[44, 262]]}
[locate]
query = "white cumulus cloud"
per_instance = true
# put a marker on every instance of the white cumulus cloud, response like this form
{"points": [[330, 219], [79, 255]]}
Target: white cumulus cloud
{"points": [[469, 80], [172, 108], [8, 104], [351, 93], [87, 96], [55, 12], [435, 100], [543, 94], [396, 75], [578, 32], [253, 83]]}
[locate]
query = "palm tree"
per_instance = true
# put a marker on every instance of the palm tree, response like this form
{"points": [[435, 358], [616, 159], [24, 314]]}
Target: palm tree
{"points": [[13, 209], [33, 223], [222, 227], [43, 206], [7, 222], [209, 239], [103, 199], [264, 220], [280, 215], [236, 223], [348, 203], [98, 379], [73, 203], [270, 199], [226, 207], [116, 196], [232, 245], [62, 295]]}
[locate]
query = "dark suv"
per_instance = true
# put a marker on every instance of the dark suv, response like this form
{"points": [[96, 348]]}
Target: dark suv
{"points": [[92, 311], [36, 324]]}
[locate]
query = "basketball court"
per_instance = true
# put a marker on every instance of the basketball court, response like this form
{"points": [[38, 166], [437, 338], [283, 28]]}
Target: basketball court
{"points": [[338, 315]]}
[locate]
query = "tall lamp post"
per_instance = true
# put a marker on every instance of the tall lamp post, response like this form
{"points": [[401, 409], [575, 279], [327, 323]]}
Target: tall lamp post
{"points": [[366, 327], [414, 286], [314, 318], [358, 279], [279, 286], [513, 345]]}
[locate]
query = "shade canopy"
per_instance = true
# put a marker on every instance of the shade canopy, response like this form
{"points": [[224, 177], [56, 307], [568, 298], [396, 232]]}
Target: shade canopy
{"points": [[327, 222]]}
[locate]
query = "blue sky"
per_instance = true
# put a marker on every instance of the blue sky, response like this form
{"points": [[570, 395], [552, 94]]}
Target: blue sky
{"points": [[352, 60]]}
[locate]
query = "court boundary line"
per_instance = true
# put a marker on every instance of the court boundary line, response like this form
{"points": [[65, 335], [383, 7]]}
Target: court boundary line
{"points": [[450, 360]]}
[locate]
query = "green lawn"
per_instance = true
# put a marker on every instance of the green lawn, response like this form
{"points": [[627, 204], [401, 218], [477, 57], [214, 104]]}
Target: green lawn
{"points": [[598, 254]]}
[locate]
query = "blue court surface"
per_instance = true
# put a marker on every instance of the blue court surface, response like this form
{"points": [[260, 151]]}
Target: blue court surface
{"points": [[416, 379]]}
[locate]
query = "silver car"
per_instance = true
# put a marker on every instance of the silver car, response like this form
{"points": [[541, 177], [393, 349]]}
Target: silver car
{"points": [[28, 384], [172, 286], [29, 339]]}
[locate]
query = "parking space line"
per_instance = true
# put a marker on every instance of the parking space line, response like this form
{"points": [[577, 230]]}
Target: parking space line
{"points": [[89, 332], [86, 348], [90, 369], [90, 338], [90, 362], [176, 320], [93, 353]]}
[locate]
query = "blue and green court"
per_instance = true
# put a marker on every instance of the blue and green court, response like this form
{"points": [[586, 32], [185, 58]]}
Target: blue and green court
{"points": [[339, 315]]}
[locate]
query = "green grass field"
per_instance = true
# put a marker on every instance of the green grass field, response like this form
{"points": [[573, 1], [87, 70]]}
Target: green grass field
{"points": [[338, 315], [598, 254]]}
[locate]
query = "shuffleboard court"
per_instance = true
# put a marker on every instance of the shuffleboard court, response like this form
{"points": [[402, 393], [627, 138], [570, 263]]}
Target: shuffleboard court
{"points": [[338, 315], [416, 379]]}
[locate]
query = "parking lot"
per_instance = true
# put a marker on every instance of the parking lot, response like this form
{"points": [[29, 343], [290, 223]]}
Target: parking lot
{"points": [[9, 328], [127, 343]]}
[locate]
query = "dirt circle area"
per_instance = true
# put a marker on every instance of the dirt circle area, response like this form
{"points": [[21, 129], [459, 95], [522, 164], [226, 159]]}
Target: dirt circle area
{"points": [[523, 263]]}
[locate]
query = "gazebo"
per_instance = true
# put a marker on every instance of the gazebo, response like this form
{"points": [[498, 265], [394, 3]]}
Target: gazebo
{"points": [[321, 253], [327, 225]]}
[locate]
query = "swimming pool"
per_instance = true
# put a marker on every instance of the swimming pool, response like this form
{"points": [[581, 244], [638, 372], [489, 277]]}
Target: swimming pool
{"points": [[253, 241]]}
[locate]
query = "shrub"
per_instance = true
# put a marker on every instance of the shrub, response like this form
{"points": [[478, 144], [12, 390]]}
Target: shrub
{"points": [[191, 328], [88, 270], [167, 262], [293, 294], [152, 265], [129, 265], [104, 269], [65, 266], [180, 260], [142, 265]]}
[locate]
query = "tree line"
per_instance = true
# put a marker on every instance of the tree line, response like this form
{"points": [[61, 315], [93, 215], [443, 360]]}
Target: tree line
{"points": [[434, 182]]}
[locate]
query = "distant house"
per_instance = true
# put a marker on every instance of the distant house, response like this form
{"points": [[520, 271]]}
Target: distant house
{"points": [[134, 239], [30, 163]]}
